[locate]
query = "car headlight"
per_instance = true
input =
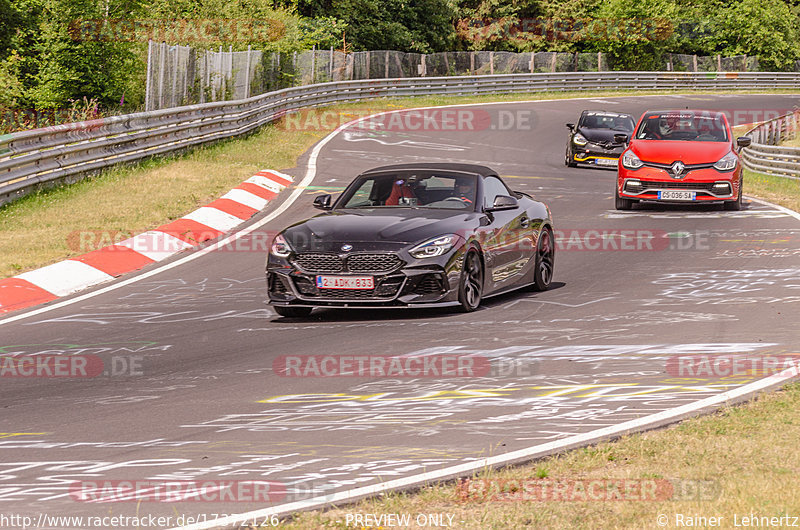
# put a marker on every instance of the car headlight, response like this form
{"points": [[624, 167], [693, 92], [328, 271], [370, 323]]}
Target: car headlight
{"points": [[434, 247], [726, 163], [280, 247], [631, 161], [579, 139]]}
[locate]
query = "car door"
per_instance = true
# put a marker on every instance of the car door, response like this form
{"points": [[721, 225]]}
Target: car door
{"points": [[507, 242]]}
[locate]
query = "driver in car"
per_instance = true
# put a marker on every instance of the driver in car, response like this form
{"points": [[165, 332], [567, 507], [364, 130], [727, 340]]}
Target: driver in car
{"points": [[464, 191]]}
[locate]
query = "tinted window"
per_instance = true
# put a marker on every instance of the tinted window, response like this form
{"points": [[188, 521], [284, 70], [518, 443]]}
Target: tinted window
{"points": [[607, 120], [419, 189], [492, 187], [686, 125]]}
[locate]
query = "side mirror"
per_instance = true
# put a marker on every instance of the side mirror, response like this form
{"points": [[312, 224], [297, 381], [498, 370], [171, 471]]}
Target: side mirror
{"points": [[620, 138], [570, 126], [503, 202], [744, 141], [323, 202]]}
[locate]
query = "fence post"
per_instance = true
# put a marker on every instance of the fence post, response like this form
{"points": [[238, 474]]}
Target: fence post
{"points": [[313, 63], [553, 61], [694, 63], [491, 63], [188, 73], [148, 98], [424, 65], [162, 56], [368, 65], [330, 68], [533, 61], [472, 62], [599, 61], [719, 63], [386, 64], [247, 74], [174, 95], [744, 63]]}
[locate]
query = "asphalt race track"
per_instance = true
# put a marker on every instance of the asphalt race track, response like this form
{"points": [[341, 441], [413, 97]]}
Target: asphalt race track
{"points": [[190, 393]]}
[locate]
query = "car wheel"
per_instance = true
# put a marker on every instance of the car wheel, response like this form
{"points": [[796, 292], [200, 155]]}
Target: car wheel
{"points": [[292, 312], [620, 203], [545, 260], [470, 286], [568, 161], [737, 204]]}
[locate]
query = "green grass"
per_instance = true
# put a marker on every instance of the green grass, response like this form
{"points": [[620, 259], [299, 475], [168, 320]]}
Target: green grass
{"points": [[777, 190]]}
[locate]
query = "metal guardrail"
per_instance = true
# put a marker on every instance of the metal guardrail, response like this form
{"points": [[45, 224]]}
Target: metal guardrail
{"points": [[38, 157], [765, 155]]}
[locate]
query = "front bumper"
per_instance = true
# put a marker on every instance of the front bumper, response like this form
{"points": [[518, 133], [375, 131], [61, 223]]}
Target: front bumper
{"points": [[416, 283], [707, 185], [597, 155]]}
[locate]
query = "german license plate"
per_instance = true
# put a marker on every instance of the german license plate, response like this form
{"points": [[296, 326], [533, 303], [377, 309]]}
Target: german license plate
{"points": [[605, 162], [345, 282], [675, 195]]}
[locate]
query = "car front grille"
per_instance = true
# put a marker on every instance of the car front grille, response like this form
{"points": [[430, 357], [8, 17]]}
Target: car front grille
{"points": [[430, 284], [386, 288], [665, 185], [318, 262], [327, 263], [277, 285], [373, 262]]}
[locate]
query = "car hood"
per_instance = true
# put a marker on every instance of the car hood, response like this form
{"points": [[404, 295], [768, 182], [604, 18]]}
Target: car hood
{"points": [[601, 135], [668, 151], [376, 229]]}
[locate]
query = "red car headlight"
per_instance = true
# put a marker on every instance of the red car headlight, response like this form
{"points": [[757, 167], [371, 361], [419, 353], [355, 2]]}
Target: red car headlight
{"points": [[726, 163]]}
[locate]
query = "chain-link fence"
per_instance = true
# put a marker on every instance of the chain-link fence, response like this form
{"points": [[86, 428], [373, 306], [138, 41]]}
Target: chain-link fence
{"points": [[180, 75]]}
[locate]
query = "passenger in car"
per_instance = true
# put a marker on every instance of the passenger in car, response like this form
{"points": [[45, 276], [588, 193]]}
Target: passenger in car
{"points": [[400, 190]]}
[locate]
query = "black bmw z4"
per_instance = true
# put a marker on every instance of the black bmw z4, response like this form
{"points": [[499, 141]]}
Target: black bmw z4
{"points": [[413, 235]]}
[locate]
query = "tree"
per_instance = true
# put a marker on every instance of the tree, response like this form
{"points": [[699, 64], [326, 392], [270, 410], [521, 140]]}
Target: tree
{"points": [[767, 29], [423, 26], [636, 34]]}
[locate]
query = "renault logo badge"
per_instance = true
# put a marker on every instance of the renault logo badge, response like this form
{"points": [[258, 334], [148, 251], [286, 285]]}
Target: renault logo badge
{"points": [[677, 169]]}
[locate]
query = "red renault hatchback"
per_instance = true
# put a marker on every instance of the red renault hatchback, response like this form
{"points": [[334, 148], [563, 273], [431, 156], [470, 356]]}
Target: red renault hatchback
{"points": [[681, 156]]}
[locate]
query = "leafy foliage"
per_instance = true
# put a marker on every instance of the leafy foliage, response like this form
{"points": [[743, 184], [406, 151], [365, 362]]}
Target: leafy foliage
{"points": [[44, 66]]}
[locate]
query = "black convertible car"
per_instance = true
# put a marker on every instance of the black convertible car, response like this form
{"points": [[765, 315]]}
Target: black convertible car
{"points": [[591, 141], [413, 235]]}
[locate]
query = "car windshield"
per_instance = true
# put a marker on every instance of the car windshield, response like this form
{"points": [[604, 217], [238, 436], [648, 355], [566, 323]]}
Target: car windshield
{"points": [[411, 190], [607, 120], [686, 126]]}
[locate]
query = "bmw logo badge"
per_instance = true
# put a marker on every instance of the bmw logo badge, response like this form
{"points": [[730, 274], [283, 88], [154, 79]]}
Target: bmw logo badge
{"points": [[347, 248]]}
